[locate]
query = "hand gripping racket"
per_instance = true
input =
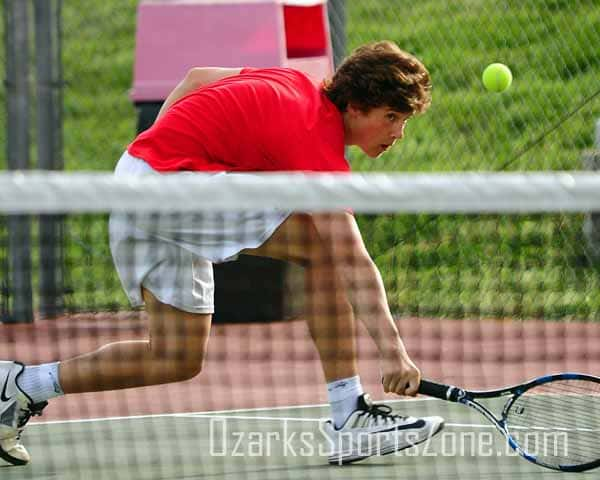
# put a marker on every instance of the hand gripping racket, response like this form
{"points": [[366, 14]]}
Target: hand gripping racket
{"points": [[552, 421]]}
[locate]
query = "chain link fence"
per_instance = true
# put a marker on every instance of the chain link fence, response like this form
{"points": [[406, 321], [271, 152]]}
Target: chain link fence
{"points": [[543, 122], [550, 45]]}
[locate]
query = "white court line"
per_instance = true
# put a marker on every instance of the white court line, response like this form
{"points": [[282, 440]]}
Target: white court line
{"points": [[231, 417], [210, 412], [268, 419], [317, 420], [207, 416], [317, 405], [212, 415], [168, 415]]}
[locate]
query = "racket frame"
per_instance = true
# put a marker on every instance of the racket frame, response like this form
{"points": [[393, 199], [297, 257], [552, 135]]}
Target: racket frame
{"points": [[469, 398]]}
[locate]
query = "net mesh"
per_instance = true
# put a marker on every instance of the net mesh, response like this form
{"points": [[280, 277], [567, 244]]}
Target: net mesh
{"points": [[488, 277]]}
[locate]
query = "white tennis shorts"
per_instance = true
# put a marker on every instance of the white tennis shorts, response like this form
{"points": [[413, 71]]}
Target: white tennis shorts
{"points": [[171, 255]]}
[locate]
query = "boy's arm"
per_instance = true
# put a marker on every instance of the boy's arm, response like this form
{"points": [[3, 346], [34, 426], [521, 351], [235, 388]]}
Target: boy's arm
{"points": [[195, 78], [368, 298]]}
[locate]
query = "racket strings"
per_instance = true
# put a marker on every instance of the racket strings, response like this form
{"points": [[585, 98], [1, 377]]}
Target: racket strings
{"points": [[559, 407], [559, 421]]}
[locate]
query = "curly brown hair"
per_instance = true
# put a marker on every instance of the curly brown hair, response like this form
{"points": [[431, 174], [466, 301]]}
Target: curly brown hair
{"points": [[380, 74]]}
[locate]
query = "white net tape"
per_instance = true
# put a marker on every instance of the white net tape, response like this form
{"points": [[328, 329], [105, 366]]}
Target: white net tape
{"points": [[53, 192]]}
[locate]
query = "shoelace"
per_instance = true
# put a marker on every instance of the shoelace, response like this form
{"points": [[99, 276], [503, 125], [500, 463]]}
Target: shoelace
{"points": [[32, 410], [382, 411]]}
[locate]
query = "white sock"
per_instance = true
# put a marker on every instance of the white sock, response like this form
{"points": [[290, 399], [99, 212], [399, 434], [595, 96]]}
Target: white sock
{"points": [[343, 398], [40, 382]]}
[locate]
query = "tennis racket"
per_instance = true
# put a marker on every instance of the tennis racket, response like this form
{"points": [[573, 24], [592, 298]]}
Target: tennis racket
{"points": [[552, 421]]}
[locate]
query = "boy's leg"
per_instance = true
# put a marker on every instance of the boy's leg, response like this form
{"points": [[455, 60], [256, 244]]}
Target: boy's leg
{"points": [[174, 352], [328, 312], [332, 326]]}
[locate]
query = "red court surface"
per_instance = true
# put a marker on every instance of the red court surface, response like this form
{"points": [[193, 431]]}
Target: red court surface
{"points": [[276, 364]]}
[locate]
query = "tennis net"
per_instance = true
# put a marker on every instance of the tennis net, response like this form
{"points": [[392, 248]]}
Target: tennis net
{"points": [[491, 279]]}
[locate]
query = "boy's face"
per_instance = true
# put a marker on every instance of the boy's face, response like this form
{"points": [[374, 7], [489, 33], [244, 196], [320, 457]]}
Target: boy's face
{"points": [[375, 131]]}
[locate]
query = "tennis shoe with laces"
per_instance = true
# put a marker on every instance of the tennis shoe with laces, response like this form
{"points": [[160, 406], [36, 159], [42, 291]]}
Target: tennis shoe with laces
{"points": [[16, 408], [372, 429]]}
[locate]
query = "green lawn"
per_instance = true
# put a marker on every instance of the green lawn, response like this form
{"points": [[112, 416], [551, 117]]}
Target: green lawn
{"points": [[450, 266]]}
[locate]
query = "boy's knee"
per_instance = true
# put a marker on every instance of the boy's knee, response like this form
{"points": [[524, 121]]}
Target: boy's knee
{"points": [[181, 363], [189, 370]]}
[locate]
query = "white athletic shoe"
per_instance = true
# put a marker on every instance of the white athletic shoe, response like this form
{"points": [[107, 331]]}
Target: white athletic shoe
{"points": [[373, 430], [16, 408]]}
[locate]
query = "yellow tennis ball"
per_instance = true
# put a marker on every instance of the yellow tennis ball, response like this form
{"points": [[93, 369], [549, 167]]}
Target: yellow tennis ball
{"points": [[497, 77]]}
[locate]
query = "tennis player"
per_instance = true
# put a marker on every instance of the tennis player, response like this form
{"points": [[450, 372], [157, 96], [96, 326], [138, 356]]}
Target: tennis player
{"points": [[227, 121]]}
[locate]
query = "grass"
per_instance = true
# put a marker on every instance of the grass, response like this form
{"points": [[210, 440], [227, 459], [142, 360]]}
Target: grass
{"points": [[451, 266], [486, 266], [549, 51]]}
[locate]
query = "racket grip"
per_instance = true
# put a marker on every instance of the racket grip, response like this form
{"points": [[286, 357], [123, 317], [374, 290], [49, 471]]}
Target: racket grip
{"points": [[437, 390]]}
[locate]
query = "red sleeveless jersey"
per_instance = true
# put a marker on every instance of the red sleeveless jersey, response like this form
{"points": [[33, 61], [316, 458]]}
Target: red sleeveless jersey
{"points": [[274, 119]]}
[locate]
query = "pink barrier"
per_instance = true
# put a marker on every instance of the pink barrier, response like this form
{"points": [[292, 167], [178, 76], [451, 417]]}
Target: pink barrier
{"points": [[175, 35]]}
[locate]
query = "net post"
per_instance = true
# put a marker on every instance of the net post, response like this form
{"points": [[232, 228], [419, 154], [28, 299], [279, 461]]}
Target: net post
{"points": [[49, 148], [591, 224], [19, 301]]}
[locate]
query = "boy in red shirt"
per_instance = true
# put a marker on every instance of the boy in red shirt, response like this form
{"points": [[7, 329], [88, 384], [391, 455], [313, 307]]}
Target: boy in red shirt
{"points": [[224, 120]]}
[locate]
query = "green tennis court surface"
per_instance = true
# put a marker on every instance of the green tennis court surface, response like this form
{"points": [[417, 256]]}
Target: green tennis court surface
{"points": [[259, 444]]}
